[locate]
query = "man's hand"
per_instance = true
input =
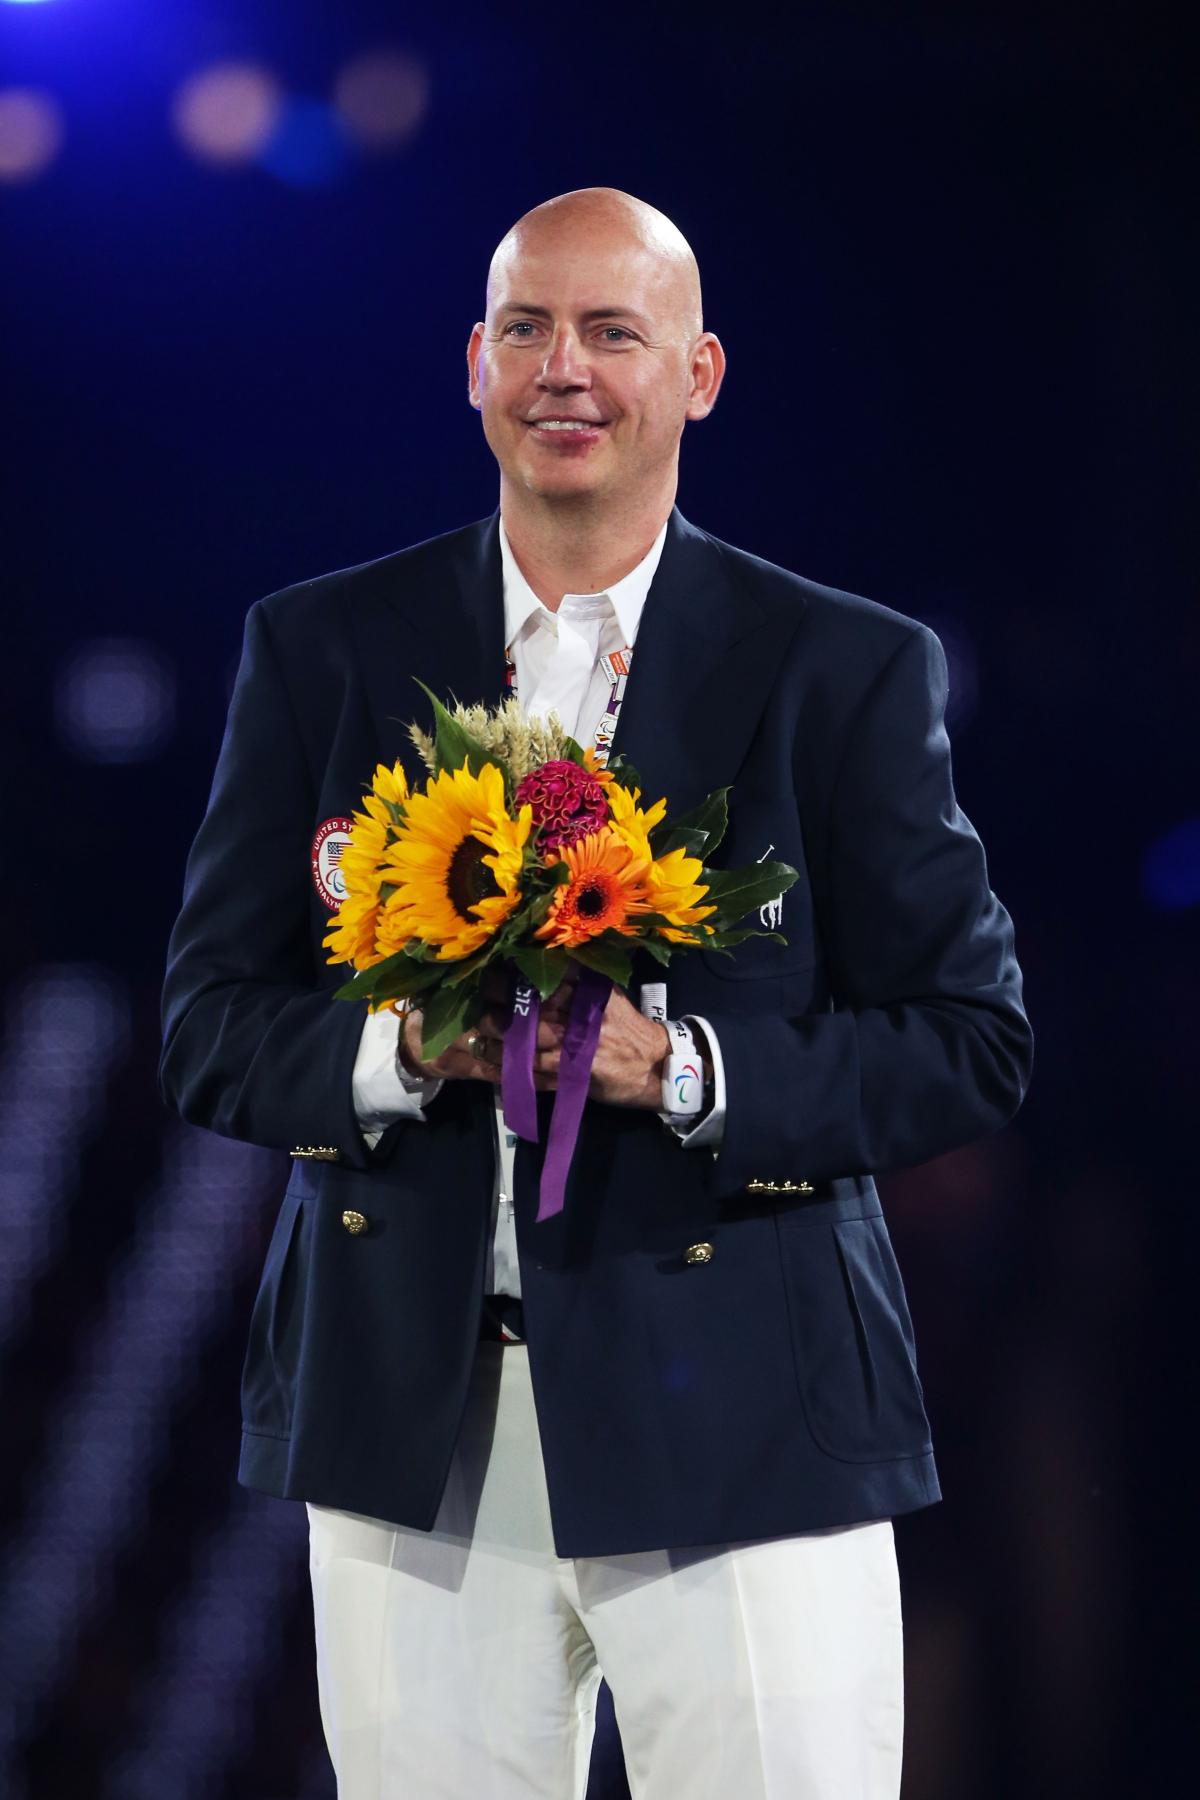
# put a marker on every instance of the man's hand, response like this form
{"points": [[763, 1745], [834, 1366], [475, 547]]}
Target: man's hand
{"points": [[628, 1066], [466, 1059], [477, 1054], [626, 1071]]}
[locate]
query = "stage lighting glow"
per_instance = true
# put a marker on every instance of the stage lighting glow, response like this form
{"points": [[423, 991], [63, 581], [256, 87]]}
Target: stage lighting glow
{"points": [[382, 96], [309, 147], [225, 114], [115, 701], [1171, 868], [962, 668], [31, 133]]}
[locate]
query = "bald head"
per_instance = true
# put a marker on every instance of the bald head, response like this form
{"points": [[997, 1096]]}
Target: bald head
{"points": [[589, 363], [602, 222]]}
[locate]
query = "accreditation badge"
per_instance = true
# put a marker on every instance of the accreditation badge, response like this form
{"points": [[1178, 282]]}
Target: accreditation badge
{"points": [[325, 860]]}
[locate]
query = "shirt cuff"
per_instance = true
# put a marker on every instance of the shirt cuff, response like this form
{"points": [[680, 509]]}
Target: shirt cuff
{"points": [[384, 1092], [708, 1133]]}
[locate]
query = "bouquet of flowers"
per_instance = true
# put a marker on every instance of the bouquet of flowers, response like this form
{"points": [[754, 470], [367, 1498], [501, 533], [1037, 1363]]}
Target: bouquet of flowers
{"points": [[526, 852]]}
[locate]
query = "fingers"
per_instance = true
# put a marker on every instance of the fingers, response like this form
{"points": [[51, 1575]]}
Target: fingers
{"points": [[558, 1004], [482, 1051], [479, 1053], [475, 1056], [493, 1027]]}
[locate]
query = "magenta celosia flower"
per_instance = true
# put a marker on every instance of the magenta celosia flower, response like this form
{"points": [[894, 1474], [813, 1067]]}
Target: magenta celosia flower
{"points": [[568, 803]]}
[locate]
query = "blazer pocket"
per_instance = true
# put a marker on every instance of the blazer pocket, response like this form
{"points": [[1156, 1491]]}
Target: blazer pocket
{"points": [[272, 1352], [853, 1341], [767, 828]]}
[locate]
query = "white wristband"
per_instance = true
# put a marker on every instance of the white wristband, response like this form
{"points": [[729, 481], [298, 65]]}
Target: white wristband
{"points": [[683, 1073]]}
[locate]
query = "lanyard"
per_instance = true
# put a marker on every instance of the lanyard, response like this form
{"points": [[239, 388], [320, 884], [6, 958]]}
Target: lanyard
{"points": [[616, 667]]}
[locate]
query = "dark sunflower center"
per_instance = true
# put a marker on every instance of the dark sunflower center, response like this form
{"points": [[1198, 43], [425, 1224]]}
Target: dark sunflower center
{"points": [[591, 900], [468, 879]]}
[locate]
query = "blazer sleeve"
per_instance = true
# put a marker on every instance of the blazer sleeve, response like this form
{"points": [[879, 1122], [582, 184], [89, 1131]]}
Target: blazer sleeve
{"points": [[927, 1045], [253, 1046]]}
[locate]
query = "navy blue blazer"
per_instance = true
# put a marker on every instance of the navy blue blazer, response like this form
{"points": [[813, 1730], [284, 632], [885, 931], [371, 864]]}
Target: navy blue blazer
{"points": [[770, 1389]]}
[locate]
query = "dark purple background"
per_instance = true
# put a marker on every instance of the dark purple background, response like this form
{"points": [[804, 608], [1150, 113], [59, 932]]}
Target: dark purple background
{"points": [[945, 247]]}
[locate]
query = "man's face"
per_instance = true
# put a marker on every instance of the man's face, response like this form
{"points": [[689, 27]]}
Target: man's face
{"points": [[583, 369]]}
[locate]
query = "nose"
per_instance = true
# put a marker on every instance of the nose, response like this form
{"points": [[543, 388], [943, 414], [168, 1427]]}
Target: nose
{"points": [[565, 366]]}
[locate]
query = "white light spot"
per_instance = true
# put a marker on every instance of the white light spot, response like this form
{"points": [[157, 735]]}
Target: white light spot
{"points": [[383, 97], [226, 113], [31, 133], [115, 700]]}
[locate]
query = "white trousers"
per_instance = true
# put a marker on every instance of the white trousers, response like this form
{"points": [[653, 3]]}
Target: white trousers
{"points": [[463, 1664]]}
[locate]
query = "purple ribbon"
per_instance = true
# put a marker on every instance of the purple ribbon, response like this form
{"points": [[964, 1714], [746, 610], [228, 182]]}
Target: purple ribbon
{"points": [[517, 1091], [516, 1070], [574, 1073]]}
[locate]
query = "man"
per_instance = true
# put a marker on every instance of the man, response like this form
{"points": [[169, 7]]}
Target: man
{"points": [[661, 1437]]}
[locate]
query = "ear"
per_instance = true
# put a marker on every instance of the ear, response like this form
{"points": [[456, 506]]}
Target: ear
{"points": [[474, 386], [707, 374]]}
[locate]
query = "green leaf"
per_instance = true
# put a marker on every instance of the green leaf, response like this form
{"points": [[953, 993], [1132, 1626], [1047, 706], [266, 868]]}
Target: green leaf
{"points": [[609, 954], [457, 973], [735, 892], [699, 831], [444, 1017], [453, 742], [658, 948], [692, 842], [622, 770], [535, 913], [397, 977], [573, 752], [542, 964], [726, 940]]}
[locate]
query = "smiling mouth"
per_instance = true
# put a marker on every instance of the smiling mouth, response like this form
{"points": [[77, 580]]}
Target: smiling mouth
{"points": [[566, 424]]}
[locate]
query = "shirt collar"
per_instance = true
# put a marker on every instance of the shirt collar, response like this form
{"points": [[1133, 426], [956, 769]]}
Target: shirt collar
{"points": [[627, 596]]}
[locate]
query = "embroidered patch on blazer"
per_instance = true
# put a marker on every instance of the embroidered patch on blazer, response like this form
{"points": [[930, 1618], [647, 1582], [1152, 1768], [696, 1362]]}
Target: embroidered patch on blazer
{"points": [[771, 915], [325, 860]]}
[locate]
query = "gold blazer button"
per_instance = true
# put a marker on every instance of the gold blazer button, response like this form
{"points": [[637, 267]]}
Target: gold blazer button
{"points": [[698, 1253], [354, 1222]]}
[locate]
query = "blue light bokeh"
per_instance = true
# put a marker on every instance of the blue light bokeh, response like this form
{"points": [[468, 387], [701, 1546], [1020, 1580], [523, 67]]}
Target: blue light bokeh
{"points": [[309, 147], [1171, 868]]}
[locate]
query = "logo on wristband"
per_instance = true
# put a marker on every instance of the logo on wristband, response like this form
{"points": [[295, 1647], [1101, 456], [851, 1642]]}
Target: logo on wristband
{"points": [[689, 1072]]}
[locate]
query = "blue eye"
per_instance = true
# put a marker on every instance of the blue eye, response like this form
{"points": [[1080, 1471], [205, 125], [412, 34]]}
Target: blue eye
{"points": [[519, 325]]}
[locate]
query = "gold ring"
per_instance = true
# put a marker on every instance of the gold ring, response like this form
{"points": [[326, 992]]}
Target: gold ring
{"points": [[475, 1045]]}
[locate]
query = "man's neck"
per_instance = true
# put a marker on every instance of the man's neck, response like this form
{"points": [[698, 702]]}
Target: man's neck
{"points": [[580, 548]]}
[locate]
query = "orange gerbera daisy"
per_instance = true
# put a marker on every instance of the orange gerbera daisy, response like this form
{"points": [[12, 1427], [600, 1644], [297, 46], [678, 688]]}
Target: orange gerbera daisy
{"points": [[606, 887]]}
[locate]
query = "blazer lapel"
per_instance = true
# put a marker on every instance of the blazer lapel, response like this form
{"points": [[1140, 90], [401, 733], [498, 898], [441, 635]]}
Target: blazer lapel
{"points": [[439, 618], [706, 657], [707, 654]]}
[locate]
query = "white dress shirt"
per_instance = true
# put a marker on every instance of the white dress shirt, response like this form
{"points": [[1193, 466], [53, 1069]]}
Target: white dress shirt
{"points": [[557, 658]]}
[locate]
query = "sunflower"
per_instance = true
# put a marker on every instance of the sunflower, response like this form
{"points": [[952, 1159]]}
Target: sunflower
{"points": [[630, 823], [672, 881], [605, 887], [448, 890], [353, 938], [389, 794], [674, 889]]}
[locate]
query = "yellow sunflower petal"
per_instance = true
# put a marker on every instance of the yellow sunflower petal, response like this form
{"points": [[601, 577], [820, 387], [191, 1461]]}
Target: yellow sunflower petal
{"points": [[449, 891]]}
